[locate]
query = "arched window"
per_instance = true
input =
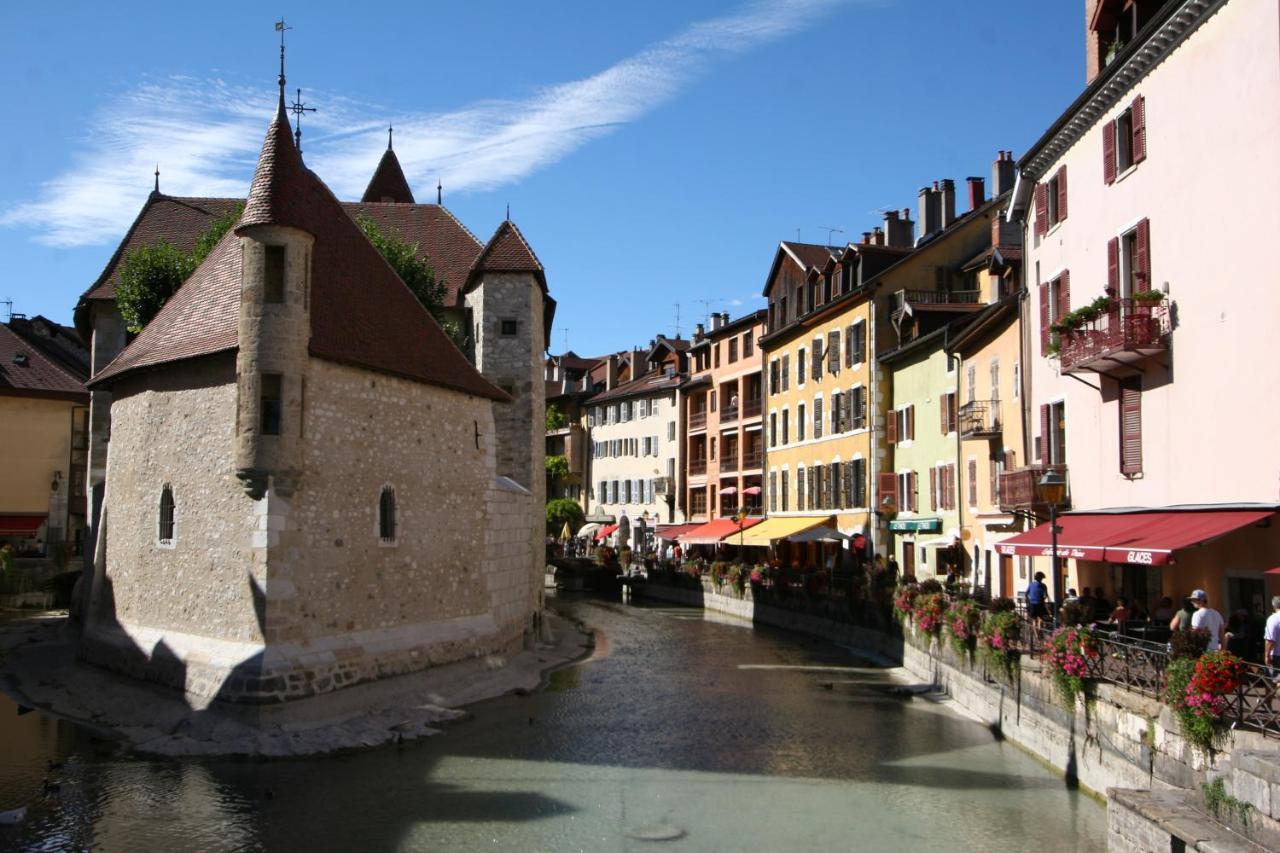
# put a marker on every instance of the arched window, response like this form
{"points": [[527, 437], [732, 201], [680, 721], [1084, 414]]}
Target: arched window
{"points": [[387, 514], [167, 526]]}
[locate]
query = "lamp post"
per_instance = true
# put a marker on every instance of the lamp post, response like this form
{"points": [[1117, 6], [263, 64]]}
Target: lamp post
{"points": [[1052, 488]]}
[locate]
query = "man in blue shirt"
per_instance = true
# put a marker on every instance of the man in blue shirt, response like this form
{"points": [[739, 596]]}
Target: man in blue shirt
{"points": [[1037, 599]]}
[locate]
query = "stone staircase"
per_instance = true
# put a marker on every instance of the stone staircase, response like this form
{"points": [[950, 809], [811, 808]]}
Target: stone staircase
{"points": [[1247, 819]]}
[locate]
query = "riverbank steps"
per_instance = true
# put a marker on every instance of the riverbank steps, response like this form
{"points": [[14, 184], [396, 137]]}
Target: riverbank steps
{"points": [[1117, 742]]}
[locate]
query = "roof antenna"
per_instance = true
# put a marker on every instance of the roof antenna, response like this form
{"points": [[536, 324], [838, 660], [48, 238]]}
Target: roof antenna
{"points": [[298, 107], [389, 129], [830, 230], [797, 235], [157, 190], [8, 309], [439, 192], [677, 319]]}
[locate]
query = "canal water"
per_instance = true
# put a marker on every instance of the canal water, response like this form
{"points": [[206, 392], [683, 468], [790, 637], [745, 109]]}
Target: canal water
{"points": [[680, 733]]}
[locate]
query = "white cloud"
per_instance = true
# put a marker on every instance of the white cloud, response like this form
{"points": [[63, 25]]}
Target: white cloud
{"points": [[205, 134]]}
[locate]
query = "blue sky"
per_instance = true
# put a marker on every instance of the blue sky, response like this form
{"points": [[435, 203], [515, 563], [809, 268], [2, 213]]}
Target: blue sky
{"points": [[652, 153]]}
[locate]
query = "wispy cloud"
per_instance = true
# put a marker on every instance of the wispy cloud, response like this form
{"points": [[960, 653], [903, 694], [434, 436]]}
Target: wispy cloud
{"points": [[205, 134]]}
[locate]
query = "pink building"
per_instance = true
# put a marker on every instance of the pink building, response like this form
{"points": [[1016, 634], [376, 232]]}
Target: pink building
{"points": [[1150, 213]]}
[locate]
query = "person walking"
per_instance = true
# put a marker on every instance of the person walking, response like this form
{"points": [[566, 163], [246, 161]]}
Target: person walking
{"points": [[1037, 598], [1181, 620], [1209, 619], [1271, 635]]}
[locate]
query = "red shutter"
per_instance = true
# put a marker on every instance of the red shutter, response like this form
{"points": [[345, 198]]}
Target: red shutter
{"points": [[1109, 152], [1064, 294], [1044, 319], [911, 422], [891, 427], [1142, 252], [1062, 193], [1139, 119], [1044, 435], [1042, 209], [889, 487], [1113, 265], [933, 489], [1131, 427]]}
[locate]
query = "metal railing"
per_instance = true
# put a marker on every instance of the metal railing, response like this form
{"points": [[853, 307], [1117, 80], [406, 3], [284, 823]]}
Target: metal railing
{"points": [[752, 408], [729, 462], [1018, 487], [728, 414], [752, 459], [1133, 326], [697, 466], [698, 420], [936, 297], [979, 417]]}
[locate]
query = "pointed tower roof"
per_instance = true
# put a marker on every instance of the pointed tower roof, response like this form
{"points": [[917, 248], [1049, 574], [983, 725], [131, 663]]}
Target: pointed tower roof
{"points": [[278, 193], [508, 251], [388, 183]]}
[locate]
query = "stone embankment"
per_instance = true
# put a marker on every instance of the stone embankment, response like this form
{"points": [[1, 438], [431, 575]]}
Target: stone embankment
{"points": [[40, 670]]}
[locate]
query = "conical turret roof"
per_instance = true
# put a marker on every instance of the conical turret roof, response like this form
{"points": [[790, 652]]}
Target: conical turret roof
{"points": [[278, 194], [388, 183]]}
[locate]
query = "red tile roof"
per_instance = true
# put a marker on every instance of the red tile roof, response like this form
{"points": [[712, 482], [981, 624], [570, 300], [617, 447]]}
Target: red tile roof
{"points": [[443, 241], [388, 183], [25, 369], [651, 383], [508, 251], [809, 254], [361, 312]]}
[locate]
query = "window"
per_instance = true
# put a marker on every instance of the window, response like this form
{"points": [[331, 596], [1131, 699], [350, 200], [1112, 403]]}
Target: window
{"points": [[800, 367], [786, 370], [270, 408], [733, 350], [624, 412], [786, 427], [387, 514], [671, 430], [971, 380], [717, 355], [1051, 202], [167, 526], [817, 359], [995, 379], [773, 429], [949, 412], [1131, 426], [773, 491], [901, 424], [973, 482], [785, 496], [800, 492], [748, 344], [1053, 434], [833, 352], [773, 377], [713, 401], [510, 328], [836, 414], [800, 422], [858, 408], [713, 448], [817, 417], [1055, 303], [855, 485], [1129, 261], [1017, 379], [273, 274], [907, 491], [855, 344]]}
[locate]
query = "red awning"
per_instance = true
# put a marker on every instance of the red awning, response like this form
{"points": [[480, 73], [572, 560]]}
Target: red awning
{"points": [[606, 531], [1149, 538], [20, 525], [675, 531], [712, 532]]}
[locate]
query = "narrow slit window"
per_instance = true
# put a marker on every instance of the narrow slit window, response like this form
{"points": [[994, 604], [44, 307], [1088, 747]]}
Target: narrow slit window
{"points": [[387, 514], [273, 275], [167, 525], [271, 405]]}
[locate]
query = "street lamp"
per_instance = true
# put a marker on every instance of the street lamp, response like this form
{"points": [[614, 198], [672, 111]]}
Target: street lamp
{"points": [[1052, 489]]}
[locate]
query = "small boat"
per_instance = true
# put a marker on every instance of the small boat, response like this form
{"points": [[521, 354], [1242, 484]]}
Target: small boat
{"points": [[13, 817]]}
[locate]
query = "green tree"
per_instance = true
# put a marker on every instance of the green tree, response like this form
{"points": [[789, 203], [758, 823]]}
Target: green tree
{"points": [[556, 419], [557, 468], [150, 275], [416, 273], [561, 510]]}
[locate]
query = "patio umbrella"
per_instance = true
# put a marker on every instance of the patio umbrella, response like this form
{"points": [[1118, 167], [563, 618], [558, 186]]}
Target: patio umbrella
{"points": [[566, 534], [729, 490], [751, 490]]}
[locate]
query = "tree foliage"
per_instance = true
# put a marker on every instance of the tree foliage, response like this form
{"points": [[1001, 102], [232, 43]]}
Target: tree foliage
{"points": [[416, 273], [561, 510], [150, 275], [556, 419], [557, 467]]}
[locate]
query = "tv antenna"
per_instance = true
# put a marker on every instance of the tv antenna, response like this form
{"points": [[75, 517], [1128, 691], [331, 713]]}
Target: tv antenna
{"points": [[8, 308], [830, 229], [677, 319]]}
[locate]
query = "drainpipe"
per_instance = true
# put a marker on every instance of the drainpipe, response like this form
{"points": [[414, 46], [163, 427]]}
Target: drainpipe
{"points": [[960, 463]]}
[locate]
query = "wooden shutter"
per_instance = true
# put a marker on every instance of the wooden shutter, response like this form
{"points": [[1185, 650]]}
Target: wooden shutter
{"points": [[1109, 152], [786, 372], [891, 427], [1131, 426], [1062, 193], [1142, 254], [911, 422], [800, 494], [1042, 210], [1138, 113], [888, 487], [773, 491], [833, 352], [817, 418], [973, 482], [911, 490], [1113, 265], [848, 346], [834, 486], [1064, 294], [848, 485], [1044, 318], [933, 489], [848, 410], [1044, 435], [942, 412]]}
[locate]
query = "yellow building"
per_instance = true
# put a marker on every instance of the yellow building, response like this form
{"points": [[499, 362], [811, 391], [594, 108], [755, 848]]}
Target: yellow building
{"points": [[43, 418], [819, 418], [990, 414]]}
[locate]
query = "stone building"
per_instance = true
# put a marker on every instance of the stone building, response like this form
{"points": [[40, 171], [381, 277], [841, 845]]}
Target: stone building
{"points": [[307, 483]]}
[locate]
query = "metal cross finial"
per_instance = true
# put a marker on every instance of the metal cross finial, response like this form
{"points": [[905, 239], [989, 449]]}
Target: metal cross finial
{"points": [[439, 192], [508, 211], [298, 107], [389, 129], [157, 177]]}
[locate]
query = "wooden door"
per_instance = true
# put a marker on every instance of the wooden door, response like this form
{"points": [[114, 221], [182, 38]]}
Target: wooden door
{"points": [[908, 559], [1006, 575]]}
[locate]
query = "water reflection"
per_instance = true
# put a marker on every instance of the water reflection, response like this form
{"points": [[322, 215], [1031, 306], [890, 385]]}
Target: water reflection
{"points": [[739, 738]]}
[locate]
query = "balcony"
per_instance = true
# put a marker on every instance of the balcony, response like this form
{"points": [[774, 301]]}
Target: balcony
{"points": [[1134, 330], [1018, 488], [697, 467], [728, 414], [980, 419], [698, 420], [729, 464], [752, 409], [752, 460]]}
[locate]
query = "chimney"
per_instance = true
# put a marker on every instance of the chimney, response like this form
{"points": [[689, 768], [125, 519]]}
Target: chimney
{"points": [[639, 367], [866, 237], [929, 211], [977, 193], [877, 236], [699, 332], [1005, 233], [716, 322], [1002, 174], [898, 230], [611, 373], [948, 202]]}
